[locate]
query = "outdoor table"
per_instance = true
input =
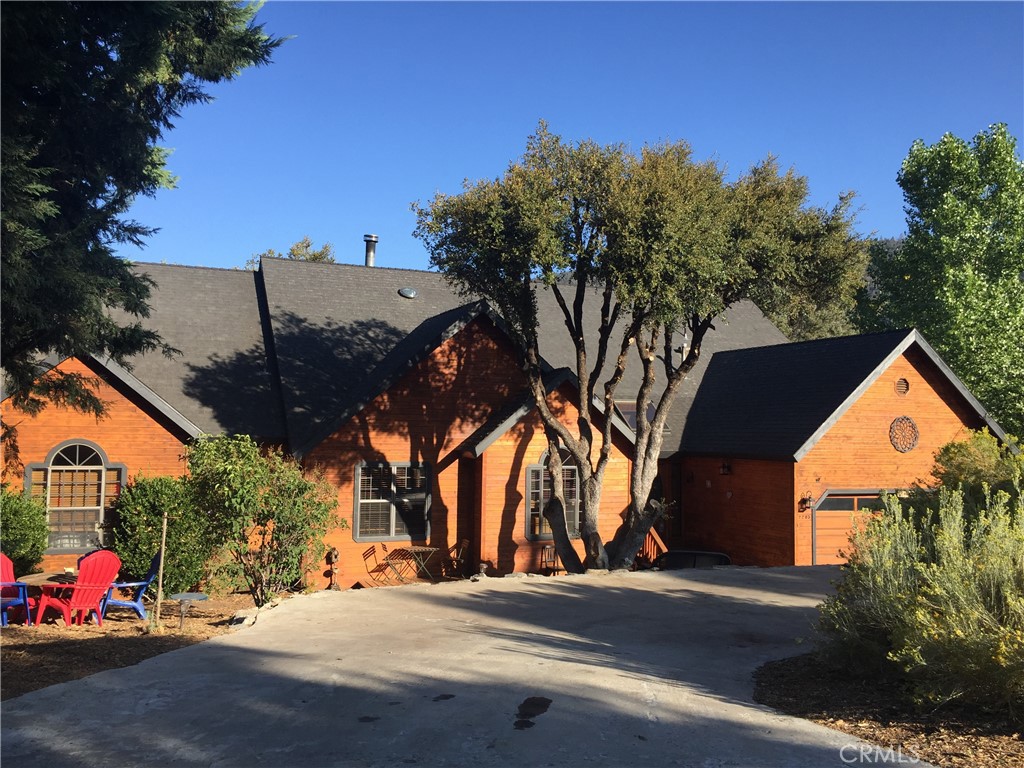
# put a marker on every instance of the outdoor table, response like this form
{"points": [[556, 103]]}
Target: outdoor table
{"points": [[186, 599], [414, 557], [37, 581]]}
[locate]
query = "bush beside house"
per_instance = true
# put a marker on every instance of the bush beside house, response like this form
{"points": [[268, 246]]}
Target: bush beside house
{"points": [[270, 518], [938, 596], [137, 532], [23, 530]]}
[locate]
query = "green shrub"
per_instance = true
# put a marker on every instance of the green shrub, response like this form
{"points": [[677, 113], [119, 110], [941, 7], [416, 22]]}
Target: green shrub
{"points": [[271, 518], [139, 513], [24, 531], [979, 466], [942, 603]]}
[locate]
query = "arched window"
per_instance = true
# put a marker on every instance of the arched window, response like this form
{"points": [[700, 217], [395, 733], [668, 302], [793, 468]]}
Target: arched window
{"points": [[78, 486], [538, 491]]}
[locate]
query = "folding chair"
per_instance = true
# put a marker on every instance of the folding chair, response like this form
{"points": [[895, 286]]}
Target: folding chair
{"points": [[455, 565], [549, 562], [378, 571]]}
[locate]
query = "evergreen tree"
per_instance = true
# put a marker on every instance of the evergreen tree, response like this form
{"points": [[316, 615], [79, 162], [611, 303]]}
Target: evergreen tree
{"points": [[88, 91]]}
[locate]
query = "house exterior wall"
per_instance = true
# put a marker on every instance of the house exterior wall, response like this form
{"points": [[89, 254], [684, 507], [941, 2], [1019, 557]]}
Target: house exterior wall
{"points": [[745, 513], [505, 544], [425, 417], [129, 433], [856, 453]]}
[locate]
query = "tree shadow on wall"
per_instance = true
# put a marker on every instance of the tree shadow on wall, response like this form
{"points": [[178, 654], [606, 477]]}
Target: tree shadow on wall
{"points": [[329, 370]]}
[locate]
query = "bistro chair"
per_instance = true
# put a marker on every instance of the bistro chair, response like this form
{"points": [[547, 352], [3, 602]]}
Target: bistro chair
{"points": [[13, 594], [96, 572], [455, 565], [549, 562], [378, 571], [137, 590]]}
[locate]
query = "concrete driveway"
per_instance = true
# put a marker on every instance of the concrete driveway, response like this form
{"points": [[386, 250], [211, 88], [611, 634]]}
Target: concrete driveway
{"points": [[623, 669]]}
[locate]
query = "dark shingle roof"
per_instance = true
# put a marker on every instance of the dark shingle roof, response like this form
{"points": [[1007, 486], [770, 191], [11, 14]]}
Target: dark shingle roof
{"points": [[221, 381], [286, 353], [775, 402]]}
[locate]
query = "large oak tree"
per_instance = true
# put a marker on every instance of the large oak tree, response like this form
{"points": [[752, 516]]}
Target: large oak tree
{"points": [[663, 244]]}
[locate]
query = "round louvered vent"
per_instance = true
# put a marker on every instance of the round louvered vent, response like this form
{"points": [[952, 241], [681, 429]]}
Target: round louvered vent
{"points": [[902, 387]]}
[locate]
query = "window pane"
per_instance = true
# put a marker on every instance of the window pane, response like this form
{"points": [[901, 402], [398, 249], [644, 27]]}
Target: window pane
{"points": [[869, 503], [393, 501], [375, 482], [837, 504], [374, 518], [410, 502]]}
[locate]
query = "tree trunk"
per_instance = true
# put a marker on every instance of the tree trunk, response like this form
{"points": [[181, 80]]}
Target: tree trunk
{"points": [[554, 510], [590, 504]]}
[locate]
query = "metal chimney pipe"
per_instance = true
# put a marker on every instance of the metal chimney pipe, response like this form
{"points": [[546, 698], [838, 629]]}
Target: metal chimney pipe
{"points": [[371, 248]]}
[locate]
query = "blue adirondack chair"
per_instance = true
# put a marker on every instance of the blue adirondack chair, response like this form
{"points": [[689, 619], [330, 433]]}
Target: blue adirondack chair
{"points": [[14, 594], [137, 589]]}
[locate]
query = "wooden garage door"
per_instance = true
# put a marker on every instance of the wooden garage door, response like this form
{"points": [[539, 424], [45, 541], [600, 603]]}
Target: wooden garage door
{"points": [[834, 519]]}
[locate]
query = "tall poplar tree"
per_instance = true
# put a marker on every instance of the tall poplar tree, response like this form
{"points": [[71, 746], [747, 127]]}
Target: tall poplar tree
{"points": [[958, 276]]}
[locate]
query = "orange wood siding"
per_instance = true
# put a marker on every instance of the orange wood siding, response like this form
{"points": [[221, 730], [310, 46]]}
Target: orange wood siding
{"points": [[747, 514], [129, 433], [429, 412], [856, 453], [505, 545]]}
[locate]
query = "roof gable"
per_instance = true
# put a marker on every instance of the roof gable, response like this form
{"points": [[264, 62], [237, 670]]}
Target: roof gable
{"points": [[405, 355], [777, 402]]}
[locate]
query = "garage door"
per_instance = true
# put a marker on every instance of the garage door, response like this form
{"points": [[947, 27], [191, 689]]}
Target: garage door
{"points": [[834, 518]]}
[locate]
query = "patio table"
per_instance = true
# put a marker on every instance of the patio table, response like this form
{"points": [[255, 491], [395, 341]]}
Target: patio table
{"points": [[38, 581], [415, 558]]}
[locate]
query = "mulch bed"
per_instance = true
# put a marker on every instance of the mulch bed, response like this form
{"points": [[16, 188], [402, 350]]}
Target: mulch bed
{"points": [[37, 657], [880, 711]]}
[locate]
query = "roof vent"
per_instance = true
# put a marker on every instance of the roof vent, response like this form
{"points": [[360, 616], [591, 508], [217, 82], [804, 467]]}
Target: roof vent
{"points": [[407, 293], [371, 248]]}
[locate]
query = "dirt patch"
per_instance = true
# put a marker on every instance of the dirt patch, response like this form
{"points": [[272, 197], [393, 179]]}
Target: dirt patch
{"points": [[37, 657], [881, 712]]}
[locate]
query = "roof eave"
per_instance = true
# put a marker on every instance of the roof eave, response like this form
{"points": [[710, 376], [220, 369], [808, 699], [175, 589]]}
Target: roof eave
{"points": [[913, 337], [128, 379]]}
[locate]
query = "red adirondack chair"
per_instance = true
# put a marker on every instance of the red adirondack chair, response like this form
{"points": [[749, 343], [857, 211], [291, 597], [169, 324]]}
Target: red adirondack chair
{"points": [[96, 572]]}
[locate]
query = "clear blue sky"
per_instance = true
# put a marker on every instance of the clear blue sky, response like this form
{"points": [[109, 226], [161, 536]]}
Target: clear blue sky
{"points": [[374, 105]]}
